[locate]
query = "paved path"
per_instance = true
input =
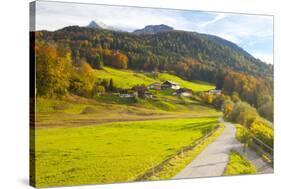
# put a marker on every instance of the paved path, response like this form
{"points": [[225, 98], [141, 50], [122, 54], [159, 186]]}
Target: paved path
{"points": [[213, 159]]}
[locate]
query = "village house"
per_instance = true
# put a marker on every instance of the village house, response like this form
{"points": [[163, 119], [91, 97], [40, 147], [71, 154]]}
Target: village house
{"points": [[140, 90], [170, 85]]}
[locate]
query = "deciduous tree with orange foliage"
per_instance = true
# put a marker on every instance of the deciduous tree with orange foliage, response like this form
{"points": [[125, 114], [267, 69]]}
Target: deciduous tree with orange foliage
{"points": [[52, 70]]}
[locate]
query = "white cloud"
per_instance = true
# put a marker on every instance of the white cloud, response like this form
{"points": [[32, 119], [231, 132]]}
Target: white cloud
{"points": [[218, 17]]}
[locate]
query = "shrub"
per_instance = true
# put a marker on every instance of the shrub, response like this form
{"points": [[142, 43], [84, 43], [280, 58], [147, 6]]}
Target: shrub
{"points": [[266, 110], [263, 131], [243, 113], [88, 110], [99, 89], [227, 108]]}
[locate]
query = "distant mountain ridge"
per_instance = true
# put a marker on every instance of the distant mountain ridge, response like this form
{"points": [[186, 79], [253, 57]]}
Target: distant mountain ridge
{"points": [[153, 29], [149, 29], [100, 25]]}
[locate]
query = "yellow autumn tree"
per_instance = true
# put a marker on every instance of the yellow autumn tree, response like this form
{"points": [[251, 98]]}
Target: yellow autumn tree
{"points": [[52, 70]]}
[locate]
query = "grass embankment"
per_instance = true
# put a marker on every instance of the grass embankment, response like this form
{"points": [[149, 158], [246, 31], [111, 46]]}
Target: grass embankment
{"points": [[112, 152], [128, 79], [238, 165], [78, 111]]}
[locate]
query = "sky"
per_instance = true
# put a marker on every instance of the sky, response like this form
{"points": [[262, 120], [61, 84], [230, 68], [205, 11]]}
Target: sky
{"points": [[254, 33]]}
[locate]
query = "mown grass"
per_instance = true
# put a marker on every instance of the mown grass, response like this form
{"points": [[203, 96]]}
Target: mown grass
{"points": [[238, 165], [112, 152], [128, 79]]}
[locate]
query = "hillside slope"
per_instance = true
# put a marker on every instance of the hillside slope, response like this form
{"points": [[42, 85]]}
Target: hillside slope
{"points": [[164, 48], [128, 78]]}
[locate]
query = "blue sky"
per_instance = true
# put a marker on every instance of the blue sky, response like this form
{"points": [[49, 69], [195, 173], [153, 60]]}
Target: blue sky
{"points": [[254, 33]]}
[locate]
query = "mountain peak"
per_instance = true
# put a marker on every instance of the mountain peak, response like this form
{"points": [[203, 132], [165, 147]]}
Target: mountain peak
{"points": [[94, 24], [152, 29], [100, 25]]}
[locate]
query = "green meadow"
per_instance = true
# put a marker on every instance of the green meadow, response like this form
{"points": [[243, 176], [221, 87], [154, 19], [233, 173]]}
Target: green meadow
{"points": [[111, 152], [127, 79]]}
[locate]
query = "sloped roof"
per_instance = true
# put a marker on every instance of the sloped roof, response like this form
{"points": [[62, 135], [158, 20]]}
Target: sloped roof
{"points": [[172, 82]]}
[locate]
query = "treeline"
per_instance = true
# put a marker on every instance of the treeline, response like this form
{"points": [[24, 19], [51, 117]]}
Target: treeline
{"points": [[257, 91]]}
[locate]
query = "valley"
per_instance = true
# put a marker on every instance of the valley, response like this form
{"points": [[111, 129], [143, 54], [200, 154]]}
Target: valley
{"points": [[113, 106]]}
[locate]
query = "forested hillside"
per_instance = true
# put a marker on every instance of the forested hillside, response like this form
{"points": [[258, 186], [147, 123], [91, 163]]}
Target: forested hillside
{"points": [[189, 55]]}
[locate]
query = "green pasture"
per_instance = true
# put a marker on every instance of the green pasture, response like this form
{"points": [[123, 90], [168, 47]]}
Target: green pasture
{"points": [[128, 79], [111, 152]]}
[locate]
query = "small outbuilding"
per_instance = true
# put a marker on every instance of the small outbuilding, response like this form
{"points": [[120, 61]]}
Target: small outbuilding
{"points": [[170, 85]]}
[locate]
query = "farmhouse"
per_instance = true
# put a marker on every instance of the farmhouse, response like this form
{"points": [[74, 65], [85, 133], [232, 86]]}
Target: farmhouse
{"points": [[156, 86], [215, 92], [170, 85], [140, 90]]}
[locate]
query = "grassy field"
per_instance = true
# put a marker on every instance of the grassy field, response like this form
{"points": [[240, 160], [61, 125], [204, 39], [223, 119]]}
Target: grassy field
{"points": [[238, 165], [127, 79], [111, 152]]}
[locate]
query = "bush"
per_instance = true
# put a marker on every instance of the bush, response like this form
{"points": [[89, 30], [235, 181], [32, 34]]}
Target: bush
{"points": [[99, 89], [227, 108], [242, 134], [266, 110], [88, 110], [262, 131], [243, 113]]}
